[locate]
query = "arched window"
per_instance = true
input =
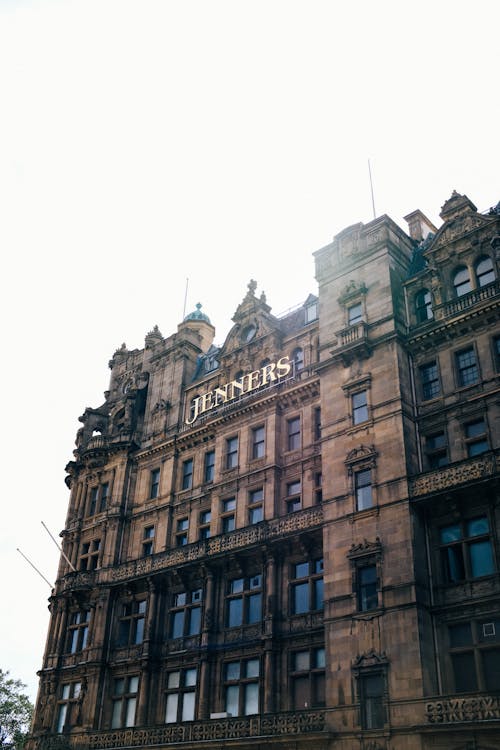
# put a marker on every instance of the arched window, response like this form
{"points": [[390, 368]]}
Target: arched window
{"points": [[298, 359], [461, 281], [485, 272], [423, 306]]}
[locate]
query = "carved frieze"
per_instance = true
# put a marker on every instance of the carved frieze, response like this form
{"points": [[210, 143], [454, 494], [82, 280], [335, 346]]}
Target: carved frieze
{"points": [[453, 476], [458, 710]]}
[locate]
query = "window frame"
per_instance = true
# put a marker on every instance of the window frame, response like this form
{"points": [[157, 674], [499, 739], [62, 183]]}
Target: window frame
{"points": [[244, 598], [77, 631], [131, 623], [293, 498], [187, 474], [490, 271], [232, 449], [70, 693], [476, 443], [311, 675], [179, 692], [462, 287], [209, 466], [430, 383], [436, 453], [423, 306], [255, 503], [180, 613], [154, 484], [360, 413], [309, 582], [483, 642], [124, 701], [456, 564], [90, 553], [241, 685], [229, 507], [293, 433], [464, 369], [148, 537], [258, 444]]}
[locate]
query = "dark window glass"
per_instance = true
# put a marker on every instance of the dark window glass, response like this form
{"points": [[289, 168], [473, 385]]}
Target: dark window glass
{"points": [[187, 474], [180, 702], [317, 423], [430, 381], [372, 704], [307, 587], [466, 550], [185, 614], [293, 432], [363, 488], [298, 359], [124, 702], [354, 314], [359, 407], [367, 587], [232, 453], [293, 497], [436, 450], [209, 466], [485, 273], [258, 442], [154, 486], [476, 439], [467, 369], [461, 281], [244, 601], [131, 623], [241, 687], [423, 306]]}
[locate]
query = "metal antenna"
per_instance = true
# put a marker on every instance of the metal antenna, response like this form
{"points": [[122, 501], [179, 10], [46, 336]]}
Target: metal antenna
{"points": [[371, 188], [34, 567], [185, 299], [60, 549]]}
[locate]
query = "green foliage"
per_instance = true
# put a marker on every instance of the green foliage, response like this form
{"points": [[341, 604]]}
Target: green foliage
{"points": [[16, 711]]}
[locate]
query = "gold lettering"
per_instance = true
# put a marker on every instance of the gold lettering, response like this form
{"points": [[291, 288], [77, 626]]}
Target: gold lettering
{"points": [[237, 384], [206, 402], [221, 391], [268, 373], [283, 366], [195, 410], [253, 380]]}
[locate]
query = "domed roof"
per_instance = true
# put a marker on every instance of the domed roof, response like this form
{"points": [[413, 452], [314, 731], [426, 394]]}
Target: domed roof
{"points": [[198, 315]]}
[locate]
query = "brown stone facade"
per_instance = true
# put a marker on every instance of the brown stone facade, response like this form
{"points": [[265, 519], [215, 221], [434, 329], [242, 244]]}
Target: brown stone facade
{"points": [[292, 539]]}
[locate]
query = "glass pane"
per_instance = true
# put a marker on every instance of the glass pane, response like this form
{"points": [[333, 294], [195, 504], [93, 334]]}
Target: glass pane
{"points": [[61, 719], [319, 690], [235, 615], [319, 658], [301, 693], [251, 699], [139, 630], [364, 497], [464, 669], [491, 669], [256, 515], [74, 642], [252, 668], [460, 635], [116, 720], [254, 608], [190, 677], [478, 526], [301, 661], [130, 713], [318, 593], [301, 598], [173, 680], [85, 633], [255, 582], [233, 670], [119, 686], [301, 570], [77, 689], [133, 684], [481, 559], [454, 563], [232, 694], [171, 711], [195, 621], [237, 585], [450, 533], [177, 625], [188, 705]]}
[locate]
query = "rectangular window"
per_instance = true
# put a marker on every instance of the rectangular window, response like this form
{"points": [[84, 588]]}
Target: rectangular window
{"points": [[311, 312], [255, 508], [244, 601], [317, 423], [67, 706], [185, 614], [293, 496], [131, 623], [307, 587], [467, 369], [371, 689], [367, 587], [466, 550], [363, 489], [475, 655], [103, 500], [430, 381], [89, 557], [241, 687], [354, 314], [209, 469], [496, 353], [148, 541], [204, 527], [232, 453], [318, 487], [154, 484], [78, 631], [94, 493], [308, 678], [187, 474], [124, 701], [359, 407], [258, 434], [181, 695], [436, 450], [181, 537], [228, 515], [293, 434], [476, 438]]}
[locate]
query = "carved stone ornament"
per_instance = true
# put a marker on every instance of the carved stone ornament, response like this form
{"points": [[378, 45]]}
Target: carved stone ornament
{"points": [[362, 453], [370, 658], [365, 548], [353, 289]]}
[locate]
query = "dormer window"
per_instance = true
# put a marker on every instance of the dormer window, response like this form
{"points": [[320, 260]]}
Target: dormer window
{"points": [[311, 312]]}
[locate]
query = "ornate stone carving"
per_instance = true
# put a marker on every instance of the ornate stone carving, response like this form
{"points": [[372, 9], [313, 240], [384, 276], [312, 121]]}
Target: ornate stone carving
{"points": [[457, 710], [465, 472]]}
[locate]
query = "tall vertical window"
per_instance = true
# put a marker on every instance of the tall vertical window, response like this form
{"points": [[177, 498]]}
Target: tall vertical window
{"points": [[308, 678], [78, 631], [311, 312], [367, 587], [461, 281], [209, 469], [131, 623], [241, 687], [436, 450], [70, 692], [354, 314], [154, 484], [318, 487], [423, 306], [359, 407], [187, 474], [181, 696], [317, 423], [466, 550], [228, 514], [429, 380], [485, 273], [363, 489], [298, 359], [475, 655], [496, 353], [204, 527], [124, 701], [306, 586], [181, 537], [293, 434], [476, 437], [232, 453], [258, 445], [371, 695], [244, 601], [293, 496], [89, 556], [103, 500], [94, 494], [148, 541], [255, 508], [467, 369], [185, 614]]}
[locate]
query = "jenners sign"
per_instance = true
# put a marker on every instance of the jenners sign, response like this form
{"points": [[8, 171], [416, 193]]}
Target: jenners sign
{"points": [[268, 375]]}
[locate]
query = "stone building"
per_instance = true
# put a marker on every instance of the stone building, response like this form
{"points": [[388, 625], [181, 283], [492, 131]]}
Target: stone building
{"points": [[291, 540]]}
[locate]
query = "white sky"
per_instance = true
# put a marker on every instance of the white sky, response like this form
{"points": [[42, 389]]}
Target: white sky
{"points": [[143, 142]]}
